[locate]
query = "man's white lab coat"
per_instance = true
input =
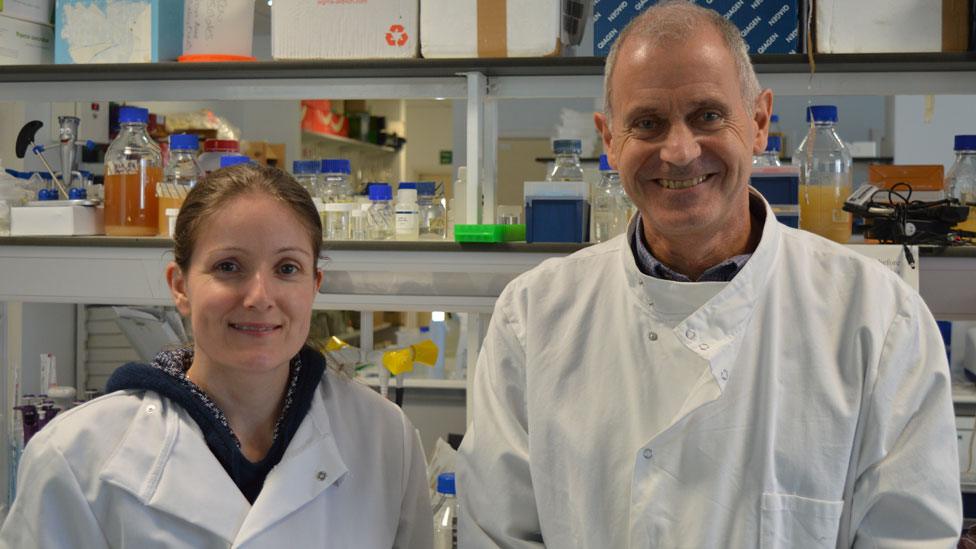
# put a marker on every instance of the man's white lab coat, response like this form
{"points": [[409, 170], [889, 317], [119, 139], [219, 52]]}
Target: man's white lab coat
{"points": [[131, 469], [806, 404]]}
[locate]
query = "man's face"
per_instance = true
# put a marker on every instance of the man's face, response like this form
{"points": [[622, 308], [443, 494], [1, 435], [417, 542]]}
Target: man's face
{"points": [[681, 136]]}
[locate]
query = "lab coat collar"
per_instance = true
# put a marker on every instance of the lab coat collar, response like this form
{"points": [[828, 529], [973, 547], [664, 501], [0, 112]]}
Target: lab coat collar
{"points": [[710, 331], [166, 464], [311, 464]]}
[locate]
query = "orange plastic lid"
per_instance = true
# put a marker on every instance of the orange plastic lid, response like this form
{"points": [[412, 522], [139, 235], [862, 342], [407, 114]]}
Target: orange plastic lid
{"points": [[213, 58]]}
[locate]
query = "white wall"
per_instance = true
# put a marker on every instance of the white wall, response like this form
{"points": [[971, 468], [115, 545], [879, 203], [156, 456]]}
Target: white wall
{"points": [[47, 328], [925, 127]]}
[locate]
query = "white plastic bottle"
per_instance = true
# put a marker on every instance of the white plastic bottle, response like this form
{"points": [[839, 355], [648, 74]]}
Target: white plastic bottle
{"points": [[960, 183], [567, 164], [825, 165], [446, 513], [407, 214]]}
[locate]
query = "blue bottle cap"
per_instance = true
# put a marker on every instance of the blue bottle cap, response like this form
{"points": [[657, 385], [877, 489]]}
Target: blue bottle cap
{"points": [[965, 143], [445, 484], [774, 118], [76, 193], [605, 164], [184, 142], [133, 114], [233, 160], [380, 191], [407, 185], [302, 167], [426, 188], [822, 113], [774, 143], [424, 329], [567, 146], [336, 165], [47, 194]]}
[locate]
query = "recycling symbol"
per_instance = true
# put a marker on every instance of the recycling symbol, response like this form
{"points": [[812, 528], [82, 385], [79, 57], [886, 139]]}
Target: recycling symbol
{"points": [[397, 36]]}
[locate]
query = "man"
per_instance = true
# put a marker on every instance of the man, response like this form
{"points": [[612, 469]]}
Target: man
{"points": [[794, 395]]}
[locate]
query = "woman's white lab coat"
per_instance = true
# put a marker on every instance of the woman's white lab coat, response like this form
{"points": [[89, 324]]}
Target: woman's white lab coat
{"points": [[131, 469]]}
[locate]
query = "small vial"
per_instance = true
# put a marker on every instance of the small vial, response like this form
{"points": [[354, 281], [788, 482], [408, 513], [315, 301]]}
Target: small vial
{"points": [[358, 225]]}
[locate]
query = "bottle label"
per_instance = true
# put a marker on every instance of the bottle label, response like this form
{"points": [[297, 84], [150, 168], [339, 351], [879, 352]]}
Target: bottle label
{"points": [[407, 222]]}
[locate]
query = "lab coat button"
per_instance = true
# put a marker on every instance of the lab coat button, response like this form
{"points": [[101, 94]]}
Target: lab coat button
{"points": [[690, 334], [322, 475], [703, 346], [652, 336], [725, 375], [151, 408], [648, 454]]}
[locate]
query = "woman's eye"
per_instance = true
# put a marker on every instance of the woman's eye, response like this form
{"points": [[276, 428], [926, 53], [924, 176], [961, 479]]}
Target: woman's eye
{"points": [[226, 267], [289, 269]]}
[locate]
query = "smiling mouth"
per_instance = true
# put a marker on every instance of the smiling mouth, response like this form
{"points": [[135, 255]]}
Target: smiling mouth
{"points": [[676, 184], [255, 329]]}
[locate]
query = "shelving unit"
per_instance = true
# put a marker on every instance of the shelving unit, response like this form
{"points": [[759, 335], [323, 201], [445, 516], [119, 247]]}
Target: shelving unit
{"points": [[421, 276], [347, 143]]}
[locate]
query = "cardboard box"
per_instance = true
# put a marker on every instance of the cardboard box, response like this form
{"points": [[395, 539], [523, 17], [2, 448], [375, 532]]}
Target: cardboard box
{"points": [[36, 11], [25, 43], [890, 26], [489, 28], [118, 31], [771, 26], [57, 221], [262, 152], [344, 29]]}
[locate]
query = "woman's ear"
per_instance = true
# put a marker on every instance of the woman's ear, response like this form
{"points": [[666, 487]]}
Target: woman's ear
{"points": [[177, 288]]}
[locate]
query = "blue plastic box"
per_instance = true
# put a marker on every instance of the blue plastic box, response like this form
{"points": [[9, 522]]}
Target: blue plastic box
{"points": [[782, 191], [557, 220], [772, 26], [118, 31]]}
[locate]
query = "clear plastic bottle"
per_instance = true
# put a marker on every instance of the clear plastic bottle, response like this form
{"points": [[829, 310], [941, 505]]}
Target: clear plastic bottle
{"points": [[960, 183], [825, 176], [181, 174], [407, 213], [306, 172], [380, 216], [335, 180], [624, 206], [446, 513], [603, 204], [770, 157], [133, 167], [567, 165], [433, 216]]}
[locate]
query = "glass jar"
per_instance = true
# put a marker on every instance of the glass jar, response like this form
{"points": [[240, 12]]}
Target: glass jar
{"points": [[133, 167]]}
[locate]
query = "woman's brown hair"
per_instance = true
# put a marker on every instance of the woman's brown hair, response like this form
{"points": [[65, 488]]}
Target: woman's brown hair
{"points": [[219, 187]]}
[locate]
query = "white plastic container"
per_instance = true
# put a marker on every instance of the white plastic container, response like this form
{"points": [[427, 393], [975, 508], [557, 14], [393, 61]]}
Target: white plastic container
{"points": [[407, 215], [223, 33], [337, 220]]}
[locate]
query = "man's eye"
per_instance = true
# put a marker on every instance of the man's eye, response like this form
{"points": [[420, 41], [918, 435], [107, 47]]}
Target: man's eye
{"points": [[711, 116], [645, 125]]}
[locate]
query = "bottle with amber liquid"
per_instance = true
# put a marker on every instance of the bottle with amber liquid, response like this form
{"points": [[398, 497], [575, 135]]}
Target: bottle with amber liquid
{"points": [[133, 167]]}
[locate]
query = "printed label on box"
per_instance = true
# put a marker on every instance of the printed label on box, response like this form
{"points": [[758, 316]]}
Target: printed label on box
{"points": [[768, 26]]}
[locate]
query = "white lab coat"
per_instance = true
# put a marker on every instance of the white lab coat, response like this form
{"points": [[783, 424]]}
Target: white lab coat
{"points": [[815, 409], [131, 469]]}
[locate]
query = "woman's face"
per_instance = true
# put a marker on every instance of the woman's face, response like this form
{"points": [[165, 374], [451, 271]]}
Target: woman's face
{"points": [[250, 286]]}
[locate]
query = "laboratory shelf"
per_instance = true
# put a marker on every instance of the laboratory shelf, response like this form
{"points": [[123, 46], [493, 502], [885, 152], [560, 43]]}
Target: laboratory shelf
{"points": [[834, 74], [345, 143], [429, 384]]}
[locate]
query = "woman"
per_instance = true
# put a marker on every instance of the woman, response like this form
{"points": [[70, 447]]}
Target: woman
{"points": [[245, 439]]}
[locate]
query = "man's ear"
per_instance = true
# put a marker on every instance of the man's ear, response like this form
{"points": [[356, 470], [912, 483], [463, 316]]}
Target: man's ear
{"points": [[764, 111], [603, 128], [177, 288]]}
